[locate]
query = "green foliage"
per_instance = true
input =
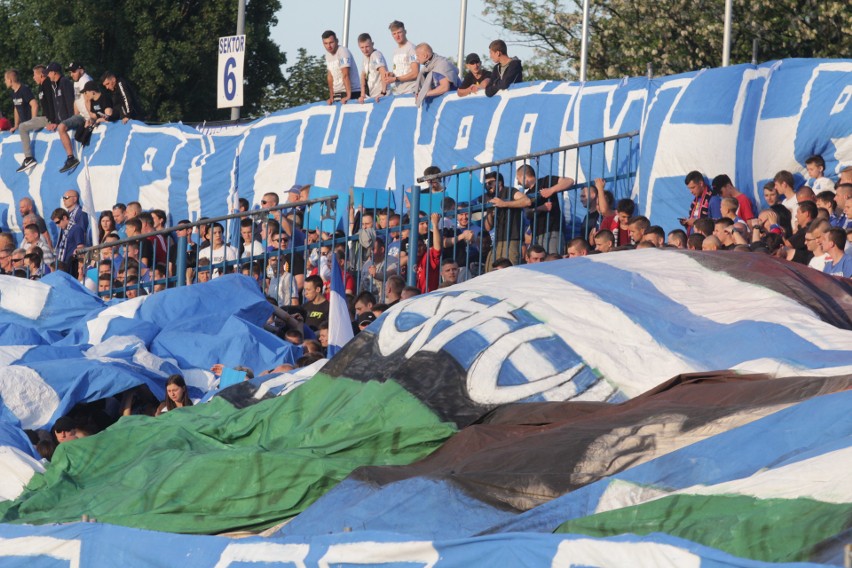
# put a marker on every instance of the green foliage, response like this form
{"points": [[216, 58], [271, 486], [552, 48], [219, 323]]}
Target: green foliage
{"points": [[305, 83], [675, 36], [166, 48]]}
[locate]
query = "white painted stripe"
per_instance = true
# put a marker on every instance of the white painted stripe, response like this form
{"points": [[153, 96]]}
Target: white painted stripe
{"points": [[23, 297], [28, 396], [16, 470], [612, 554], [9, 354], [821, 478], [97, 327], [723, 299]]}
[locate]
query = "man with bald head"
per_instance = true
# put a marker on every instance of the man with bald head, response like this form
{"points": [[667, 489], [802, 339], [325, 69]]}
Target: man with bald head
{"points": [[26, 207], [76, 215], [841, 197], [711, 243], [437, 75]]}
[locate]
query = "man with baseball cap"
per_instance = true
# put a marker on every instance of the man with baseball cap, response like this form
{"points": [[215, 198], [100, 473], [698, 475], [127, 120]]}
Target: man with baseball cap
{"points": [[475, 78], [95, 105], [99, 105], [65, 429], [80, 78], [63, 104]]}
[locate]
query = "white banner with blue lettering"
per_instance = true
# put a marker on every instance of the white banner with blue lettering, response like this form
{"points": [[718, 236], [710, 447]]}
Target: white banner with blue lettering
{"points": [[746, 121], [92, 544]]}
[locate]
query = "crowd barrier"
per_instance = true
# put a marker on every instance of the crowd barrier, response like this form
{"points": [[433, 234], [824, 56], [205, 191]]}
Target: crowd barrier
{"points": [[280, 252]]}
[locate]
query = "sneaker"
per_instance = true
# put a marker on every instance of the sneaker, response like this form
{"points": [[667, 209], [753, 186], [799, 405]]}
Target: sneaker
{"points": [[70, 164], [27, 164]]}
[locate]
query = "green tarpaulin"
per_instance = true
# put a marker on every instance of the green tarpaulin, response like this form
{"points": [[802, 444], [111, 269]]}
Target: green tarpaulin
{"points": [[212, 468], [773, 530]]}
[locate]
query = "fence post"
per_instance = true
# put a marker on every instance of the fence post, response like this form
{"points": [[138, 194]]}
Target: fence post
{"points": [[180, 261], [413, 235]]}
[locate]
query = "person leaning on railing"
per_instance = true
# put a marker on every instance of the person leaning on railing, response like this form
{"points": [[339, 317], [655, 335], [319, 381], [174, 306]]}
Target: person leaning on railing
{"points": [[71, 238]]}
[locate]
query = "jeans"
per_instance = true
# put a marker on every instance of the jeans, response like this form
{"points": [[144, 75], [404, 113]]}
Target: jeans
{"points": [[25, 128]]}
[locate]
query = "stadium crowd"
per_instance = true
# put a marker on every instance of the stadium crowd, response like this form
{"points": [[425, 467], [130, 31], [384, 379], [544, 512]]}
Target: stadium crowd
{"points": [[503, 227], [414, 69], [514, 221]]}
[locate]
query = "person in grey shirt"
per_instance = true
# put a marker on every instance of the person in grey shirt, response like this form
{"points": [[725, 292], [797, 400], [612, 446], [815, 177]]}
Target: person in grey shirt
{"points": [[437, 75]]}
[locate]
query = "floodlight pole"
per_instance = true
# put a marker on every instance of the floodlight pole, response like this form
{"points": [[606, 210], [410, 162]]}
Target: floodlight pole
{"points": [[347, 9], [241, 30], [726, 39], [462, 30], [584, 46]]}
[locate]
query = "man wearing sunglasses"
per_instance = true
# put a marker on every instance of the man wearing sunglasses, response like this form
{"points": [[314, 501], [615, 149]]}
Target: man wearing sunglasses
{"points": [[6, 260], [76, 215]]}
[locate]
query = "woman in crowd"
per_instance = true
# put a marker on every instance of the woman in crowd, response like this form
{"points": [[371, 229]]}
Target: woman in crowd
{"points": [[106, 225], [176, 395]]}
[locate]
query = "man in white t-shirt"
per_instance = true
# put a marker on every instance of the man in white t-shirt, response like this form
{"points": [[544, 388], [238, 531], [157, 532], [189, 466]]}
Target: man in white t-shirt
{"points": [[343, 80], [784, 184], [80, 78], [375, 68], [816, 174], [218, 252], [403, 78]]}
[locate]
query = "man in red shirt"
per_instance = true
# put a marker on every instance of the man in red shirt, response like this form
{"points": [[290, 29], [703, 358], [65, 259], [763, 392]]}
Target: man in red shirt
{"points": [[429, 261], [723, 185]]}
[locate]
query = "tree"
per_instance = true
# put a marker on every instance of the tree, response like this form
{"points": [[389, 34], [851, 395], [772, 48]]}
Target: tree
{"points": [[675, 36], [305, 83], [167, 48]]}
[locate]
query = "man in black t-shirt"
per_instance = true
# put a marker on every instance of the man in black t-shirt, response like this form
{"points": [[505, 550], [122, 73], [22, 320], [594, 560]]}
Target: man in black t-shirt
{"points": [[546, 214], [100, 105], [506, 219], [315, 306], [461, 240], [475, 79], [47, 120], [23, 100]]}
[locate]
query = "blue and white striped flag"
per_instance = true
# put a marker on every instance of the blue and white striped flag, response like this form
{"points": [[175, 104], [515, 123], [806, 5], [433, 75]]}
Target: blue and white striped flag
{"points": [[339, 324]]}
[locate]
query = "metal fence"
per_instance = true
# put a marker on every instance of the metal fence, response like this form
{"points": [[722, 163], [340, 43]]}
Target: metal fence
{"points": [[502, 209], [265, 244], [473, 216]]}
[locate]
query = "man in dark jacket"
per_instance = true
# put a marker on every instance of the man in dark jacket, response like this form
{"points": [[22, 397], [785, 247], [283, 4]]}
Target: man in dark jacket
{"points": [[63, 94], [507, 70], [125, 102]]}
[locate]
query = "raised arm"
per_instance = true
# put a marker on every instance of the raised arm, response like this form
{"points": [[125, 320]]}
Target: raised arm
{"points": [[436, 231], [603, 202]]}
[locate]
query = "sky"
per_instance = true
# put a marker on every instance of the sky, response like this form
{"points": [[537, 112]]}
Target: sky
{"points": [[301, 23]]}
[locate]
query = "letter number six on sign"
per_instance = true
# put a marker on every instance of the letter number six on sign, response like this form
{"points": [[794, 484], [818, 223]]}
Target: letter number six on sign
{"points": [[230, 79]]}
